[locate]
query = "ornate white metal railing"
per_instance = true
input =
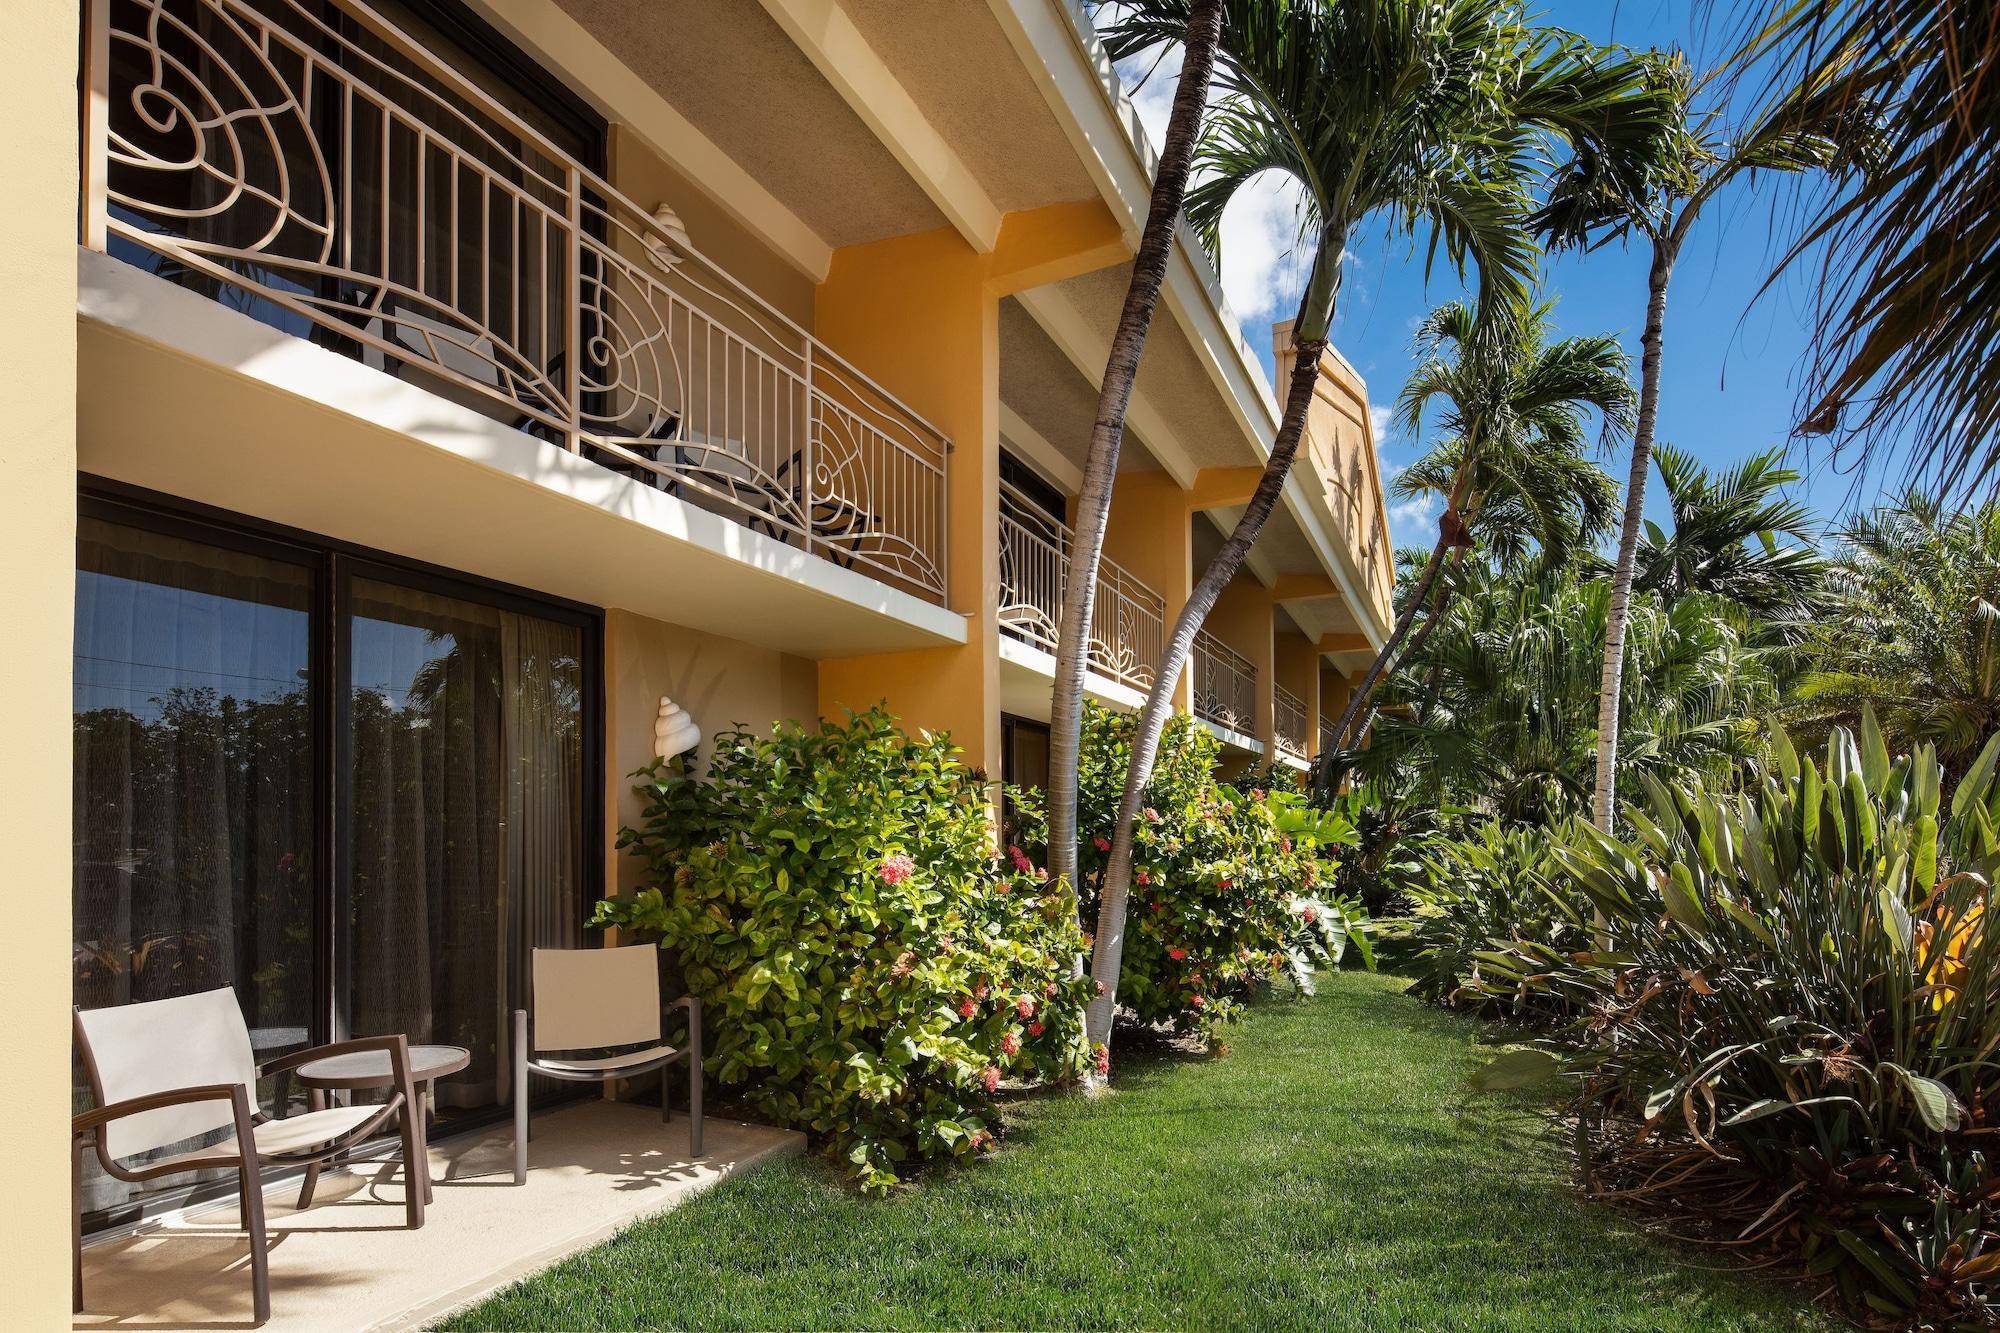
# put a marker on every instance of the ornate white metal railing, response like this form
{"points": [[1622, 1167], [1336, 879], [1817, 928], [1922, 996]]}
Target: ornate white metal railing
{"points": [[1325, 736], [1126, 616], [1288, 722], [1225, 685], [315, 165]]}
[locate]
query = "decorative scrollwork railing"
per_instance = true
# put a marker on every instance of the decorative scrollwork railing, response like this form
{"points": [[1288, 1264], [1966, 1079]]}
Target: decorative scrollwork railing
{"points": [[1225, 685], [1325, 736], [1288, 722], [313, 164], [1126, 616]]}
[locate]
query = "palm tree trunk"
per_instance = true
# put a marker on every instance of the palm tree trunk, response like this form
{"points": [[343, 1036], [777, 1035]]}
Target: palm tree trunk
{"points": [[1379, 667], [1603, 796], [1100, 469], [1116, 887]]}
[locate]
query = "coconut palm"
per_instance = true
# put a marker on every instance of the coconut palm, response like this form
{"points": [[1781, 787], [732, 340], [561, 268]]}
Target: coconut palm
{"points": [[1701, 156], [1906, 264], [1512, 468], [1429, 115], [1915, 629], [1100, 468], [1725, 539]]}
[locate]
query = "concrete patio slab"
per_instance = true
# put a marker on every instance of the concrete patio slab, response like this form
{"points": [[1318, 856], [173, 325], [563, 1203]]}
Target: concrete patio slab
{"points": [[347, 1263]]}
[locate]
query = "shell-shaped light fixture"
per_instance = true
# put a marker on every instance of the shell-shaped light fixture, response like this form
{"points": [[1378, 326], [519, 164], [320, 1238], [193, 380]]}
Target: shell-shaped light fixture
{"points": [[661, 249], [674, 730]]}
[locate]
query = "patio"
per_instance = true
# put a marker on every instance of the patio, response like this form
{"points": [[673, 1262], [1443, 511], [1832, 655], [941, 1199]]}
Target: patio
{"points": [[347, 1262]]}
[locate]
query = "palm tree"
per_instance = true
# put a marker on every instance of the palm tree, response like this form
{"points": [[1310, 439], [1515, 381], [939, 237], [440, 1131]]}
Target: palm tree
{"points": [[1725, 539], [1694, 163], [1100, 468], [1916, 628], [1515, 409], [1906, 265], [1511, 676], [1429, 114]]}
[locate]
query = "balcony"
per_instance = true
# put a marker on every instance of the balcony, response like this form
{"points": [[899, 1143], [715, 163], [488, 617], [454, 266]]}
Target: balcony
{"points": [[1225, 685], [1288, 723], [313, 166], [1126, 618]]}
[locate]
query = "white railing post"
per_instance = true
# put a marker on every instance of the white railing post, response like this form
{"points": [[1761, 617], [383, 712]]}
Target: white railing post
{"points": [[573, 308], [806, 441]]}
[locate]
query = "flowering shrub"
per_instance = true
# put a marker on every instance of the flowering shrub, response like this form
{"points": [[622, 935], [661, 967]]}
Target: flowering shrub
{"points": [[1228, 887], [870, 971]]}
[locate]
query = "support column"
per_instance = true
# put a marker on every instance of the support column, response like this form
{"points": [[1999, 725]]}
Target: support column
{"points": [[1242, 619], [921, 315], [38, 549], [914, 312], [1297, 661], [1150, 533]]}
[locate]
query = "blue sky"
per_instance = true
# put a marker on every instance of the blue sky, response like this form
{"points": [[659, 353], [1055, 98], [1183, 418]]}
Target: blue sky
{"points": [[1729, 379]]}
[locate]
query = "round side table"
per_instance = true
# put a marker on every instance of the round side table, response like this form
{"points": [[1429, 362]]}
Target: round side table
{"points": [[368, 1070]]}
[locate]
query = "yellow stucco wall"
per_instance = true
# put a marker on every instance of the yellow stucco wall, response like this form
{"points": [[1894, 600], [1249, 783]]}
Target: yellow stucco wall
{"points": [[1297, 664], [1149, 533], [722, 683], [38, 550]]}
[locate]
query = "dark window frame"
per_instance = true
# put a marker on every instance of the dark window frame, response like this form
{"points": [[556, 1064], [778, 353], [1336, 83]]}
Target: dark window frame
{"points": [[333, 565]]}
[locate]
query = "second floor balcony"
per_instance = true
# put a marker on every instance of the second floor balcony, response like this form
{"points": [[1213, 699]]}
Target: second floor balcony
{"points": [[1288, 723], [1126, 618], [1225, 685], [316, 166]]}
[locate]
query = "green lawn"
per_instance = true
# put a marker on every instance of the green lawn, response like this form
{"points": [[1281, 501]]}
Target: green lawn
{"points": [[1331, 1173]]}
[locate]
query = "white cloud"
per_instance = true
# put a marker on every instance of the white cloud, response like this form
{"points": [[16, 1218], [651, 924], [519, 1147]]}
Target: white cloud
{"points": [[1379, 422], [1263, 265]]}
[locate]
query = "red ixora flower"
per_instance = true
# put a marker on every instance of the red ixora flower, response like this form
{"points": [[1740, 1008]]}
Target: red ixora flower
{"points": [[1020, 860], [1100, 987], [1285, 843], [1155, 907], [979, 991], [1198, 1001], [1049, 990], [989, 1078], [1025, 1007], [1010, 1044], [896, 869], [981, 1139], [1177, 953], [1101, 1058], [1225, 883], [1308, 915], [1102, 843], [966, 1008], [906, 963], [1143, 877], [1035, 1029], [1152, 815]]}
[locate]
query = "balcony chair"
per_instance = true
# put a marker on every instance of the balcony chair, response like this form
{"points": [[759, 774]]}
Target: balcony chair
{"points": [[166, 1071], [600, 1008]]}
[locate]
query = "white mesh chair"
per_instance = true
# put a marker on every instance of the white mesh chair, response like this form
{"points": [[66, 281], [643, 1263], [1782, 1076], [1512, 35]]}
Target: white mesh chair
{"points": [[600, 1009], [167, 1071]]}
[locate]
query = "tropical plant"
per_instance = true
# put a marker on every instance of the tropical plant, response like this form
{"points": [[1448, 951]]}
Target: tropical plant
{"points": [[1499, 711], [870, 972], [1236, 881], [1789, 1029], [1725, 539], [1484, 892], [1511, 469], [1100, 468], [1702, 155], [1905, 264], [1914, 629], [1430, 115]]}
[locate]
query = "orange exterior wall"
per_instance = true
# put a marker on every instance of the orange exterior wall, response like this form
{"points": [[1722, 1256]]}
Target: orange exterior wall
{"points": [[1297, 664]]}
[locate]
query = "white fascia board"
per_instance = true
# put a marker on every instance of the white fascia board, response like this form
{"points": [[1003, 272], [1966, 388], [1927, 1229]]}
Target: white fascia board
{"points": [[595, 73], [823, 31]]}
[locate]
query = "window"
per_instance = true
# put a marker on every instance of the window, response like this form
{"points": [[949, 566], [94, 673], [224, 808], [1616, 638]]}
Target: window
{"points": [[352, 790]]}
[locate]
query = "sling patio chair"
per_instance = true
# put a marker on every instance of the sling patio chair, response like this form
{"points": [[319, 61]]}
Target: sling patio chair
{"points": [[166, 1071], [600, 1010]]}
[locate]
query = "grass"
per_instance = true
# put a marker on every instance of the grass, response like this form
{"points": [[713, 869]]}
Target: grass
{"points": [[1331, 1173]]}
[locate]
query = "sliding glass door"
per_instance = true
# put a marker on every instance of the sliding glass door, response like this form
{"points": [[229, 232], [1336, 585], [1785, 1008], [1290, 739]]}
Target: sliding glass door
{"points": [[352, 791]]}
